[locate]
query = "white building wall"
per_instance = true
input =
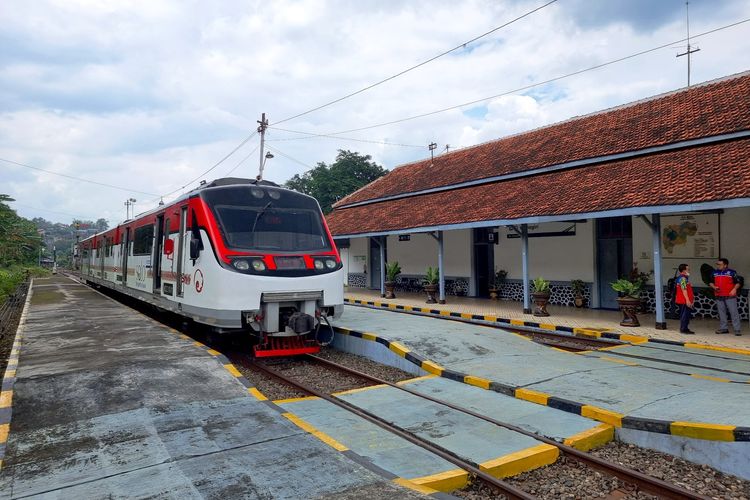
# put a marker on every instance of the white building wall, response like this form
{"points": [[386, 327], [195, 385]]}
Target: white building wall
{"points": [[554, 258], [734, 241], [422, 250], [354, 258]]}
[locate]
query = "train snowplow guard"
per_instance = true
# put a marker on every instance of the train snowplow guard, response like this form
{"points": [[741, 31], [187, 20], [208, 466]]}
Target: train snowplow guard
{"points": [[285, 346]]}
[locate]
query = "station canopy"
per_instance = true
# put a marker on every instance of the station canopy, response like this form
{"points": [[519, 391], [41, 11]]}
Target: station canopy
{"points": [[682, 151]]}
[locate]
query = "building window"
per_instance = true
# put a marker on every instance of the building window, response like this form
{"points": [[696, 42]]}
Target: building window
{"points": [[143, 241]]}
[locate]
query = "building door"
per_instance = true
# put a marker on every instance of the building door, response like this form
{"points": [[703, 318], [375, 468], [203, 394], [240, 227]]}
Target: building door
{"points": [[375, 261], [614, 247], [484, 260]]}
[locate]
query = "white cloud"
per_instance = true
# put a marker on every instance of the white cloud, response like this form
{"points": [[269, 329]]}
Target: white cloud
{"points": [[147, 95]]}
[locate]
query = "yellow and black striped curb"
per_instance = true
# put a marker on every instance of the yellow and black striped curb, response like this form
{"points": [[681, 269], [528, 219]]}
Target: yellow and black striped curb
{"points": [[9, 378], [696, 430], [598, 333]]}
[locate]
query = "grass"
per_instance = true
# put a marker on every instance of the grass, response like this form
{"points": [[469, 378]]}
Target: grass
{"points": [[11, 277]]}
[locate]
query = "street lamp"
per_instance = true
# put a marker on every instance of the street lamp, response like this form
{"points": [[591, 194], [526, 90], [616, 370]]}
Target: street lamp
{"points": [[268, 156]]}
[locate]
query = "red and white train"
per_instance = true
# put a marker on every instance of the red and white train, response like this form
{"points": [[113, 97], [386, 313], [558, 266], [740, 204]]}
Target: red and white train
{"points": [[233, 254]]}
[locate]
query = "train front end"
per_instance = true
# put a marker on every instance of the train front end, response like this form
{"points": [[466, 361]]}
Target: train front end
{"points": [[276, 243]]}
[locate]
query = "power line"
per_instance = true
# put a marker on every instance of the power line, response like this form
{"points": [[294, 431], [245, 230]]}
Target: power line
{"points": [[245, 141], [457, 47], [537, 84], [52, 211], [311, 135], [76, 178], [242, 161], [277, 150]]}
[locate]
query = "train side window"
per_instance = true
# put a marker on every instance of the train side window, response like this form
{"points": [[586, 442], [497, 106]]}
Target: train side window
{"points": [[143, 240]]}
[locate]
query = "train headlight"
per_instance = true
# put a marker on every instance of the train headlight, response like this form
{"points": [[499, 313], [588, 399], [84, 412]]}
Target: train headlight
{"points": [[319, 265], [241, 265], [330, 263], [259, 265]]}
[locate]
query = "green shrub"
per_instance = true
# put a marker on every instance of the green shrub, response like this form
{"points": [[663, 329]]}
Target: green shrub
{"points": [[627, 288], [541, 285], [432, 276], [392, 270]]}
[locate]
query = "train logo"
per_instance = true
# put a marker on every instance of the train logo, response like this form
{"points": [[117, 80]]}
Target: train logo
{"points": [[198, 278]]}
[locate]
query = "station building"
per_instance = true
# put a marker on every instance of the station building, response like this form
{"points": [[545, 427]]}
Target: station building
{"points": [[646, 185]]}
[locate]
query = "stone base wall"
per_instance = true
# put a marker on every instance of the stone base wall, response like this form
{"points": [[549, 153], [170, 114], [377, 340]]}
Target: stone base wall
{"points": [[561, 292], [458, 286], [705, 307]]}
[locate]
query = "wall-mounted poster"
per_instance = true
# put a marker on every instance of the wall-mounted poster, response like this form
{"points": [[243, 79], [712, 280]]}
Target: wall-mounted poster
{"points": [[693, 236]]}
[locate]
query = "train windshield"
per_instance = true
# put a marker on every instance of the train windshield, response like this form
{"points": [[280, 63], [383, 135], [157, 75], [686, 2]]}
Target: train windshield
{"points": [[268, 219]]}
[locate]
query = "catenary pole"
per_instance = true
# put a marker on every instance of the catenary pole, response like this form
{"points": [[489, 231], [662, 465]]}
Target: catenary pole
{"points": [[661, 324]]}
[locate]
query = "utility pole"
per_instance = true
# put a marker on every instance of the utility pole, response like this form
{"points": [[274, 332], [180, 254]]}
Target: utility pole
{"points": [[447, 148], [689, 50], [262, 131]]}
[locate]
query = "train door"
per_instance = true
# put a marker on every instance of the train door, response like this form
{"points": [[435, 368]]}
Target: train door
{"points": [[181, 250], [125, 249], [157, 252], [102, 251]]}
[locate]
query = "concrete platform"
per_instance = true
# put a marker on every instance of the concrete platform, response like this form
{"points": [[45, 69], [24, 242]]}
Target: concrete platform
{"points": [[497, 450], [694, 413], [103, 402]]}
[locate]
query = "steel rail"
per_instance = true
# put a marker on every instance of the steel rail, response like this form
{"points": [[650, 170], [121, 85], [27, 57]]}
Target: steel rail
{"points": [[642, 481], [507, 489]]}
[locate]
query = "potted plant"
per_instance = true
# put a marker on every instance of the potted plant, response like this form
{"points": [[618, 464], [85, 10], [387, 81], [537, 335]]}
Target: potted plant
{"points": [[541, 296], [629, 300], [496, 285], [430, 283], [578, 287], [641, 278], [392, 270]]}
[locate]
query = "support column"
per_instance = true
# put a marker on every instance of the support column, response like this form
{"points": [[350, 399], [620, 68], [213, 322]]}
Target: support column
{"points": [[661, 324], [441, 267], [525, 267], [382, 265]]}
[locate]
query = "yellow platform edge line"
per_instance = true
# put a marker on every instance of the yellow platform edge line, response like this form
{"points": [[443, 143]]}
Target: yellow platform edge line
{"points": [[691, 345], [521, 461], [213, 352], [709, 377], [4, 430], [307, 427], [537, 397], [415, 379], [698, 430], [359, 389], [399, 349], [231, 369], [444, 481], [369, 336], [591, 438], [619, 361], [294, 400], [477, 381], [431, 367], [257, 394], [602, 415], [414, 486], [633, 339], [6, 399]]}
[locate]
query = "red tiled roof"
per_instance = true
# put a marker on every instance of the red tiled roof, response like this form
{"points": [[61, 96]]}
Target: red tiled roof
{"points": [[714, 108], [719, 171]]}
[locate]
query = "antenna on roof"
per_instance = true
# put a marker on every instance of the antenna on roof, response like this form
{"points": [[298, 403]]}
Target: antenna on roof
{"points": [[689, 50], [432, 147], [447, 147]]}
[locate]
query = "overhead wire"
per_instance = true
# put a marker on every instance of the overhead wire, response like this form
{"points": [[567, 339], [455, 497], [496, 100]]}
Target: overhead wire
{"points": [[51, 211], [277, 150], [310, 135], [536, 84], [407, 70], [242, 160], [80, 179]]}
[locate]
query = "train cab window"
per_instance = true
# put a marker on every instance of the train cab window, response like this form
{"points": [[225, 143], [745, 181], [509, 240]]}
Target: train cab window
{"points": [[143, 240], [285, 222]]}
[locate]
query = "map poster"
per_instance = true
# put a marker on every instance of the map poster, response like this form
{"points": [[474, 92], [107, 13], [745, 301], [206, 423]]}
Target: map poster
{"points": [[694, 236]]}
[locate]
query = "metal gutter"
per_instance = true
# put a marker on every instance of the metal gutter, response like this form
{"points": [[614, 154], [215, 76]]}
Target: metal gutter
{"points": [[703, 141]]}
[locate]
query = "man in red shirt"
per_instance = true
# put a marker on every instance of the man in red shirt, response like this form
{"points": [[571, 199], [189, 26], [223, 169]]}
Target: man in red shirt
{"points": [[684, 297], [726, 285]]}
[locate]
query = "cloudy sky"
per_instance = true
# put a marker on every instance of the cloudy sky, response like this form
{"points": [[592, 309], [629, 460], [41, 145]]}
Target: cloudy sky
{"points": [[147, 95]]}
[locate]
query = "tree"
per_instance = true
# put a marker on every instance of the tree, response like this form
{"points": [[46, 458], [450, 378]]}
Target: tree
{"points": [[329, 183], [19, 239]]}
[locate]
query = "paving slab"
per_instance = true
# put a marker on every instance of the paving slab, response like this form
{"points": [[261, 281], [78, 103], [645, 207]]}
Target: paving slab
{"points": [[516, 362], [124, 407]]}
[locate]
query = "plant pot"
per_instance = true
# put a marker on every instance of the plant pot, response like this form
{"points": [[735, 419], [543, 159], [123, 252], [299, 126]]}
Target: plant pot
{"points": [[389, 287], [629, 307], [494, 292], [540, 303], [578, 300], [431, 290]]}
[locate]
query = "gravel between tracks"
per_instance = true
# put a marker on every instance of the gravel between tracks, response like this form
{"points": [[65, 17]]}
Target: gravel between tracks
{"points": [[320, 377], [570, 479]]}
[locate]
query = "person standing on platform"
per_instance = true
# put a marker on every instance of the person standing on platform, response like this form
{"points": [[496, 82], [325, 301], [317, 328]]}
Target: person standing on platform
{"points": [[684, 297], [726, 285]]}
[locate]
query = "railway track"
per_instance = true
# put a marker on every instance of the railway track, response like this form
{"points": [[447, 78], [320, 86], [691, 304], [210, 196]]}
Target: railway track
{"points": [[637, 480]]}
